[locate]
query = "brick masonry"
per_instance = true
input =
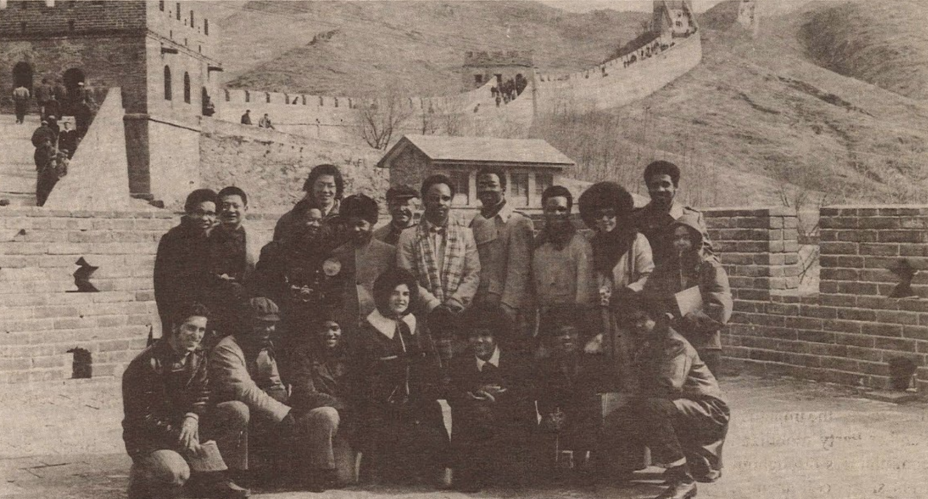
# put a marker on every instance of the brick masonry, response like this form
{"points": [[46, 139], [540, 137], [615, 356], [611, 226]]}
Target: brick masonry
{"points": [[41, 314], [848, 331], [845, 334]]}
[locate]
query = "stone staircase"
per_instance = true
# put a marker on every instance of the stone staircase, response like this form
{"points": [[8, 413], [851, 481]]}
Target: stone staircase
{"points": [[17, 168]]}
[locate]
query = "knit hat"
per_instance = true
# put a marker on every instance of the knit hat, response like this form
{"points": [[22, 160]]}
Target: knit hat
{"points": [[264, 309]]}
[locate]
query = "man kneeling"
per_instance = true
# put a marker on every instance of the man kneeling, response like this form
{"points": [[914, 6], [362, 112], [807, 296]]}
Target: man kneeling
{"points": [[243, 368], [165, 396], [680, 413]]}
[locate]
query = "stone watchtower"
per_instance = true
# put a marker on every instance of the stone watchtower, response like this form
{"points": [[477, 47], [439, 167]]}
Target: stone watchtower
{"points": [[481, 67], [161, 54]]}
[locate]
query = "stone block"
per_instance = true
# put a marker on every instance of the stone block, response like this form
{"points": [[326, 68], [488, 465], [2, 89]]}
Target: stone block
{"points": [[838, 248], [896, 344], [897, 317]]}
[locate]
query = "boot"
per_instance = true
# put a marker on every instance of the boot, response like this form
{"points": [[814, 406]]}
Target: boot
{"points": [[218, 485], [683, 486]]}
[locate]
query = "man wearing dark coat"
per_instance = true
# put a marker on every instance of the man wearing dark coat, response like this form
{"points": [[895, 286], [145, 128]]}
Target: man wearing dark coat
{"points": [[322, 381], [679, 413], [67, 139], [569, 384], [180, 263], [169, 420], [492, 405], [42, 133]]}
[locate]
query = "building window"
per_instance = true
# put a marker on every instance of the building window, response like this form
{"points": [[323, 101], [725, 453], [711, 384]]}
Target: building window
{"points": [[247, 96], [161, 5], [187, 87], [192, 23], [206, 27], [177, 11], [167, 83], [518, 188], [478, 79], [267, 97], [461, 181], [542, 182]]}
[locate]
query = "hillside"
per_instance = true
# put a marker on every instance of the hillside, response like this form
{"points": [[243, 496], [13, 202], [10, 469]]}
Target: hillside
{"points": [[361, 48], [884, 43], [757, 121]]}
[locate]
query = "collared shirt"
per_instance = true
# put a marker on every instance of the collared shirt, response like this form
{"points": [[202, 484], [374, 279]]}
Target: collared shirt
{"points": [[494, 360], [438, 239], [387, 326]]}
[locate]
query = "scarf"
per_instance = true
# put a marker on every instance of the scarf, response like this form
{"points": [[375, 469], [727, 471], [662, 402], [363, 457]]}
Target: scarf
{"points": [[441, 282], [609, 247]]}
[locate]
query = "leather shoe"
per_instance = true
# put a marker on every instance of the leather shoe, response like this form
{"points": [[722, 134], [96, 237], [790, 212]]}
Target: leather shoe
{"points": [[227, 489], [711, 477], [679, 490]]}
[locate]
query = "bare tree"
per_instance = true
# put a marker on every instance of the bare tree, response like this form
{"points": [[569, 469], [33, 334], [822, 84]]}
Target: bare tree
{"points": [[379, 120], [429, 122]]}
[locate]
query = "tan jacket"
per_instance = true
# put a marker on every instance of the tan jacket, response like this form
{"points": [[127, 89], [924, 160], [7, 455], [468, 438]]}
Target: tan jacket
{"points": [[564, 276], [504, 244], [230, 380]]}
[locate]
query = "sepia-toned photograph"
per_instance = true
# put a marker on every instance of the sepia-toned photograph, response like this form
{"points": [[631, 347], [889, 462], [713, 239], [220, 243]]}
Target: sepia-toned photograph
{"points": [[398, 249]]}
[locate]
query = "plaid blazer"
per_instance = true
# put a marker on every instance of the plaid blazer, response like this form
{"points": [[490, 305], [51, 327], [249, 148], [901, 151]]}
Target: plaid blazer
{"points": [[460, 272]]}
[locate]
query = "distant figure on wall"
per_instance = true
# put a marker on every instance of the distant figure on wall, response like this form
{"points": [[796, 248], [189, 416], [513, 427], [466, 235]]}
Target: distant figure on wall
{"points": [[67, 139], [42, 93], [21, 101], [246, 118], [265, 122]]}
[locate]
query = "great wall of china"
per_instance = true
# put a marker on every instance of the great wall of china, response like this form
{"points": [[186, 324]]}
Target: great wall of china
{"points": [[848, 331], [611, 84]]}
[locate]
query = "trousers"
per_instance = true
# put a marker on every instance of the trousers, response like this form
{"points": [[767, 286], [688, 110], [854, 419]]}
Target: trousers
{"points": [[673, 430], [162, 474]]}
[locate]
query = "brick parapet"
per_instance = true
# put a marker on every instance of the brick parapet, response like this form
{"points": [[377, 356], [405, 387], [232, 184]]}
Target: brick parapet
{"points": [[42, 315], [847, 332]]}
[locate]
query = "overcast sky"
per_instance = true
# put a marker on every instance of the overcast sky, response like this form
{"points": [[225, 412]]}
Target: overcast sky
{"points": [[637, 5]]}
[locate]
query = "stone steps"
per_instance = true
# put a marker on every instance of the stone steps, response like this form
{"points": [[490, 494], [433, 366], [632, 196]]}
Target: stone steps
{"points": [[17, 167]]}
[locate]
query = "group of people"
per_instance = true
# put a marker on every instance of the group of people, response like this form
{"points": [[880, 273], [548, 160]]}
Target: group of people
{"points": [[264, 122], [54, 147], [321, 357], [56, 100], [506, 91]]}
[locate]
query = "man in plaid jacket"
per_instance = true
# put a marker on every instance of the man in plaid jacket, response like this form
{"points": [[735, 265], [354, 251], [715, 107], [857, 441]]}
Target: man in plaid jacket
{"points": [[442, 255]]}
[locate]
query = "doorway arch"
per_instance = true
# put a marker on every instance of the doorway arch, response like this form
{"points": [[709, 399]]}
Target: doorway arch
{"points": [[22, 75], [72, 79]]}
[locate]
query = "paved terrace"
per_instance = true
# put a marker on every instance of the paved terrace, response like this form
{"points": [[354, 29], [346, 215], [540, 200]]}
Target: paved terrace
{"points": [[788, 439]]}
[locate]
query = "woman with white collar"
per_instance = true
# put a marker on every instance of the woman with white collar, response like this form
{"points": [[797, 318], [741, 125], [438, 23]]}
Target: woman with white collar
{"points": [[403, 438]]}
